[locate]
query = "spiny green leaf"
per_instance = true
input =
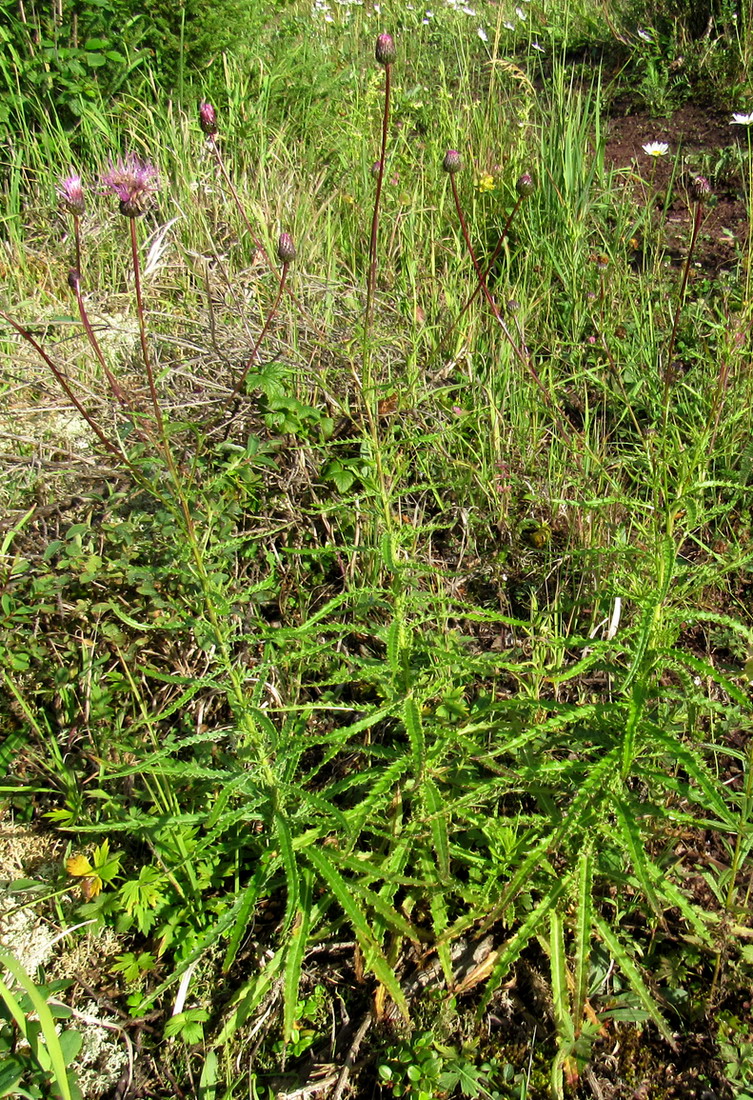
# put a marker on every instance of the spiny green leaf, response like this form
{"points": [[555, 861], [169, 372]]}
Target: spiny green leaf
{"points": [[285, 841], [438, 823], [373, 957], [296, 952], [514, 946], [634, 843], [630, 970], [415, 729], [583, 912]]}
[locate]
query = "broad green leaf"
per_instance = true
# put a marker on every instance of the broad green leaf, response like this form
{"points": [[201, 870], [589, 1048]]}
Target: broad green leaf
{"points": [[65, 1086]]}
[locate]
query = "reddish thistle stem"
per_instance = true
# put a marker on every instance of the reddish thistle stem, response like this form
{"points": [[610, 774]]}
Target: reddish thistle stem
{"points": [[62, 381], [236, 198], [490, 300], [262, 334], [74, 281], [371, 283], [142, 328]]}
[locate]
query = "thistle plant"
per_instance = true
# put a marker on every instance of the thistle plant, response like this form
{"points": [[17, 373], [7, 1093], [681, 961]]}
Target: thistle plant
{"points": [[135, 182], [72, 201], [385, 54]]}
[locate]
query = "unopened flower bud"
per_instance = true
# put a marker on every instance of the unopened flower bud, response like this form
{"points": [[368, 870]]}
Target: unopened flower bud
{"points": [[207, 118], [74, 278], [285, 249], [376, 168], [385, 51], [700, 189], [452, 162], [525, 185]]}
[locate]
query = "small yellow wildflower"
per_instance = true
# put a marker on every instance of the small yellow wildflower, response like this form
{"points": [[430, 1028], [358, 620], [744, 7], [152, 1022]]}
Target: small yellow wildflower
{"points": [[485, 183], [349, 199]]}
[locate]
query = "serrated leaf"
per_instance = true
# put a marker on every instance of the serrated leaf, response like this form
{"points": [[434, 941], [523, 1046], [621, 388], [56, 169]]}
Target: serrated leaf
{"points": [[78, 866], [583, 911], [514, 946], [296, 951], [373, 957], [630, 970]]}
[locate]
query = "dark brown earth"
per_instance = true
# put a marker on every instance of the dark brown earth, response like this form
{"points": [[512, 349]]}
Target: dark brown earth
{"points": [[703, 141]]}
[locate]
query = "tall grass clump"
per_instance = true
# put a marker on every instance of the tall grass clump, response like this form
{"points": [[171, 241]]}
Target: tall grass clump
{"points": [[390, 623]]}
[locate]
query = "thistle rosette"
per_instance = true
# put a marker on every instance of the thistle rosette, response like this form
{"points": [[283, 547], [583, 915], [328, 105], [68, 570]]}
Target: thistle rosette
{"points": [[133, 181]]}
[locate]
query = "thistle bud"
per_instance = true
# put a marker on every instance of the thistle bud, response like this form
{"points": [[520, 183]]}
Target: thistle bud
{"points": [[71, 194], [74, 278], [285, 249], [525, 185], [385, 51], [452, 162], [376, 168], [700, 189], [207, 118]]}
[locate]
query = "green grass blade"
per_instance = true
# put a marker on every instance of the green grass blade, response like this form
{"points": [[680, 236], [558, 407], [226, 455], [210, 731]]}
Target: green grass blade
{"points": [[61, 1081]]}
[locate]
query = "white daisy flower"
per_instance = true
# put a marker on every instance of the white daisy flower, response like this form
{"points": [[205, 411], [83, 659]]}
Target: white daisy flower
{"points": [[741, 120], [656, 148], [520, 13], [509, 26], [482, 34], [536, 46]]}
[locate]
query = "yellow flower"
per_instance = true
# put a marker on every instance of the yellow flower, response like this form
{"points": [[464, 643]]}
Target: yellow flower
{"points": [[485, 183]]}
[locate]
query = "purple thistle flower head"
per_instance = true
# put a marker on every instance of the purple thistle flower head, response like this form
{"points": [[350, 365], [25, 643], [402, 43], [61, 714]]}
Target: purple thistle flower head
{"points": [[207, 118], [133, 181], [71, 194], [452, 162], [385, 51], [285, 249], [700, 189], [525, 185]]}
